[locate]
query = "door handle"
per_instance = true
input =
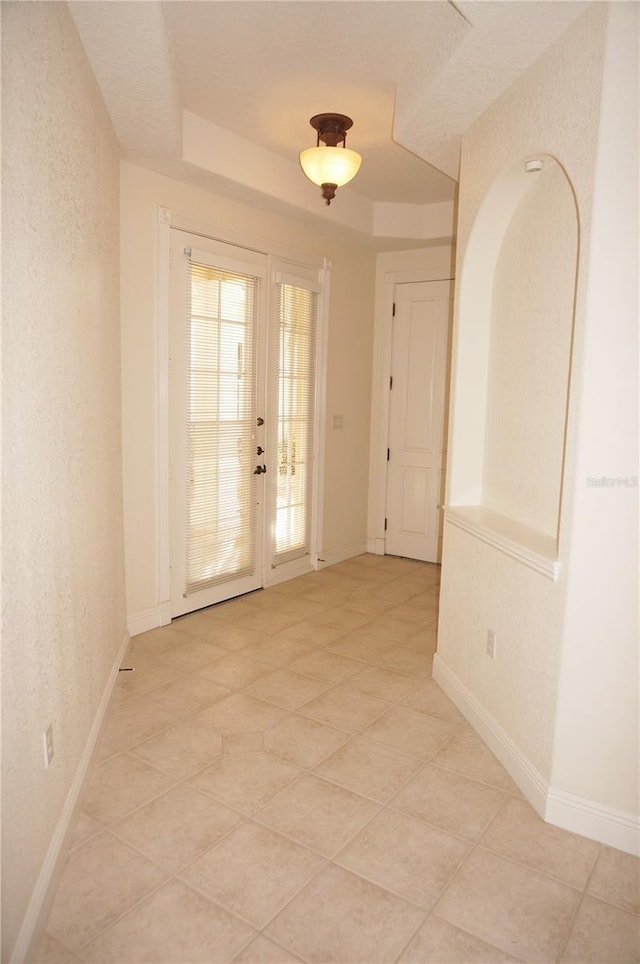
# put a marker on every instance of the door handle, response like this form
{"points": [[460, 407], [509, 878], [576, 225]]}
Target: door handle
{"points": [[260, 421], [259, 469]]}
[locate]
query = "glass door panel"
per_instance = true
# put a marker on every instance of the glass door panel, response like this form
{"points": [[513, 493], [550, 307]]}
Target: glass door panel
{"points": [[295, 418], [215, 379]]}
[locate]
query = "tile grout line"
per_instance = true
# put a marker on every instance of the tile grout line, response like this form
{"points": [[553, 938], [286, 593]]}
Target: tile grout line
{"points": [[259, 929], [473, 849], [477, 846], [182, 672], [583, 895]]}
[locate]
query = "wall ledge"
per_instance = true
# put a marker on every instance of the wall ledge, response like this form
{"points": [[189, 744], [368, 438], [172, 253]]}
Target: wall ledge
{"points": [[533, 549]]}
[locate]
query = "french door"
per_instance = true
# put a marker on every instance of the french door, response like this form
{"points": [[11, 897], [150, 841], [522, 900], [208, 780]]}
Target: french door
{"points": [[241, 398]]}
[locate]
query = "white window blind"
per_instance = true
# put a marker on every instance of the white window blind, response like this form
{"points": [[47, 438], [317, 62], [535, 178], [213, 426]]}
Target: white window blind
{"points": [[221, 413], [296, 376]]}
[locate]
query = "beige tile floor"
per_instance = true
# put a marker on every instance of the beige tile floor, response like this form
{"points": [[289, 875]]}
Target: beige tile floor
{"points": [[281, 780]]}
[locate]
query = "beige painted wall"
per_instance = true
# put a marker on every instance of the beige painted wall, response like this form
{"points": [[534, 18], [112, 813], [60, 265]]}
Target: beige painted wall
{"points": [[350, 346], [62, 576], [552, 109], [596, 752], [541, 694]]}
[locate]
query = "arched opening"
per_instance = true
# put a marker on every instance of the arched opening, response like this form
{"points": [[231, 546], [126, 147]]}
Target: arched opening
{"points": [[514, 339]]}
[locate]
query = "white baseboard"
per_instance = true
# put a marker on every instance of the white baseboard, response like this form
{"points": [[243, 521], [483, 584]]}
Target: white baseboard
{"points": [[146, 620], [519, 768], [333, 556], [569, 811], [612, 827], [288, 570], [44, 891], [376, 546]]}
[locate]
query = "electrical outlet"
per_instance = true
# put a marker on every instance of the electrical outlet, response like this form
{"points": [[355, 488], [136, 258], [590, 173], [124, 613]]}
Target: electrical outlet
{"points": [[48, 745], [491, 644]]}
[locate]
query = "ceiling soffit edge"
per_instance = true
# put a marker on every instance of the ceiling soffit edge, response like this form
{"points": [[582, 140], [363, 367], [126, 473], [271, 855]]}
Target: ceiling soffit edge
{"points": [[232, 158]]}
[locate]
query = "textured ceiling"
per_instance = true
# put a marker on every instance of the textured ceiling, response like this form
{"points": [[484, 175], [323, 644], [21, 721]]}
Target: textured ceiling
{"points": [[413, 75], [262, 69]]}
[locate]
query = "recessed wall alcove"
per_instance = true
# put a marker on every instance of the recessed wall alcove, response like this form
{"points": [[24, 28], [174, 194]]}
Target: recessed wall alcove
{"points": [[514, 325]]}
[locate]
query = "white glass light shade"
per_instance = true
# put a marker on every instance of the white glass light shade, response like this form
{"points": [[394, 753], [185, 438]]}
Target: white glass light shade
{"points": [[330, 165]]}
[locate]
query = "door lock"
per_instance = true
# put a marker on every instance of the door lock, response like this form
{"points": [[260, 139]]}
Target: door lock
{"points": [[259, 469], [259, 450]]}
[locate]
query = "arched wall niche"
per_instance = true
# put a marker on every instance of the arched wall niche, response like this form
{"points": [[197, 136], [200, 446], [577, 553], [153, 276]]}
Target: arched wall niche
{"points": [[514, 330]]}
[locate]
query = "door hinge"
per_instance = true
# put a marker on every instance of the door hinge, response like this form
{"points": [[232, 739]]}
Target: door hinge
{"points": [[390, 382], [385, 525], [388, 454], [393, 313]]}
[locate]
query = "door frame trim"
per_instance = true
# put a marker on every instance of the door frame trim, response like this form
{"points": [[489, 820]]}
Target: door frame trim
{"points": [[162, 412], [166, 220]]}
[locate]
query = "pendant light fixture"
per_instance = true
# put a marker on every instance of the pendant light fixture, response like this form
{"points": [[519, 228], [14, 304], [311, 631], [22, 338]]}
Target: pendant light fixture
{"points": [[330, 166]]}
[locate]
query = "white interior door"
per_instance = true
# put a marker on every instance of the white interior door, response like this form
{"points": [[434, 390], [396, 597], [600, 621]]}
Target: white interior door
{"points": [[416, 419], [216, 399]]}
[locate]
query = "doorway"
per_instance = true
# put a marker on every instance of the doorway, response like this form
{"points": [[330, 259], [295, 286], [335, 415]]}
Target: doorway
{"points": [[242, 442], [416, 441]]}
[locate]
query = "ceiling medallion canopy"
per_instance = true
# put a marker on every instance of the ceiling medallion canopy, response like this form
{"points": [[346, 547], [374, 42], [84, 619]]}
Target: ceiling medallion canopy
{"points": [[330, 166]]}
